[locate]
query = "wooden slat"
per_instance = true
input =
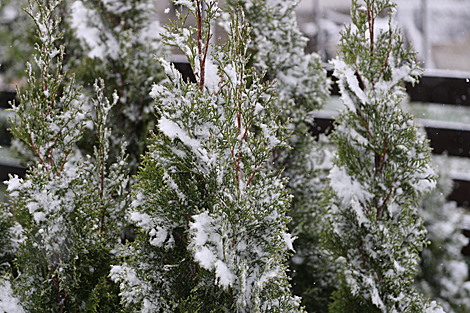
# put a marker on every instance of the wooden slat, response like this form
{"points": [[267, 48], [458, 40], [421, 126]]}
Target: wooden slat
{"points": [[436, 89], [432, 87]]}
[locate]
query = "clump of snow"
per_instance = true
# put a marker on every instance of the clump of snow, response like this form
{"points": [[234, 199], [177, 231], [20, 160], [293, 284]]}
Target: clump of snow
{"points": [[212, 79], [156, 90], [205, 243], [172, 130], [425, 179], [87, 34], [8, 302], [434, 308], [345, 186]]}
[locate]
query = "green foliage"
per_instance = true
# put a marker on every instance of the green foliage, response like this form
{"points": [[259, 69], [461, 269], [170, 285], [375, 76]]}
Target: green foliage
{"points": [[277, 52], [70, 209], [443, 271], [344, 301], [117, 41], [211, 213], [381, 169], [17, 33], [8, 234]]}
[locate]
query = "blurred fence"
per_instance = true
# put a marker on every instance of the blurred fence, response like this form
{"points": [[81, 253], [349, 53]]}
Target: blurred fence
{"points": [[438, 30]]}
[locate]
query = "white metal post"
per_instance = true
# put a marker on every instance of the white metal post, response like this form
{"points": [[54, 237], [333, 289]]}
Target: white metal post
{"points": [[320, 38], [425, 32]]}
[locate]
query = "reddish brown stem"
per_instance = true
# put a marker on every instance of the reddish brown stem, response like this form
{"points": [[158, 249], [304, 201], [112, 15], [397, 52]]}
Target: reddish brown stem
{"points": [[381, 207], [370, 19], [199, 45], [49, 152], [234, 162], [179, 237], [102, 187], [253, 175], [34, 148], [56, 285], [203, 63], [380, 278], [221, 84], [239, 121], [63, 162], [384, 65], [347, 256], [365, 124], [383, 156], [171, 261], [238, 166], [246, 130], [358, 73], [363, 257]]}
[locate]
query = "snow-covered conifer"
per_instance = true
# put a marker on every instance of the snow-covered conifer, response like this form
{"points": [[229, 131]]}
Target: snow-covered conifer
{"points": [[17, 33], [443, 272], [277, 51], [277, 47], [117, 41], [70, 209], [381, 170], [210, 211]]}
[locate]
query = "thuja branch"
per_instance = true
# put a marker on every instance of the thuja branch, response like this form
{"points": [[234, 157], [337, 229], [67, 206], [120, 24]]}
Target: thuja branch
{"points": [[34, 148]]}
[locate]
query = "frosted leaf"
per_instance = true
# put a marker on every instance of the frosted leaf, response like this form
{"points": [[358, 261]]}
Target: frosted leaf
{"points": [[434, 308], [156, 90], [345, 186], [14, 183], [159, 235], [425, 179]]}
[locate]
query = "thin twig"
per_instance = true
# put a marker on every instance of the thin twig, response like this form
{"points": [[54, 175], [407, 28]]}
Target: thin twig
{"points": [[199, 38], [365, 125], [34, 148], [203, 64]]}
